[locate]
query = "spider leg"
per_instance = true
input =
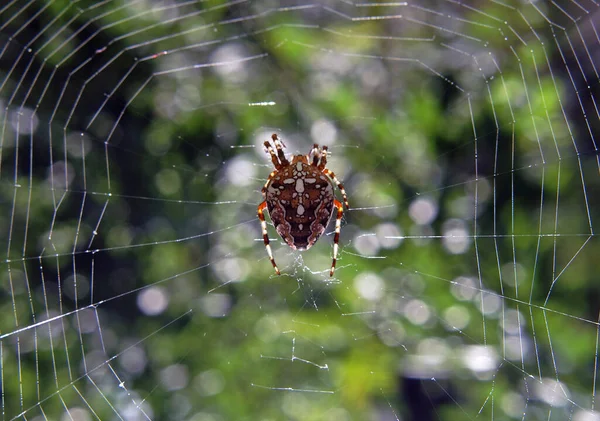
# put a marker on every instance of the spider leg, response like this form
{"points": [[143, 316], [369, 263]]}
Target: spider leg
{"points": [[323, 157], [271, 152], [340, 186], [264, 189], [278, 145], [263, 225], [336, 238], [316, 154]]}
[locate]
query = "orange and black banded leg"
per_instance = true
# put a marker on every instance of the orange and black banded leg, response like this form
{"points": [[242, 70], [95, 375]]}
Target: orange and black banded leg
{"points": [[263, 225], [340, 186], [316, 155], [271, 152], [336, 238], [279, 146], [322, 158]]}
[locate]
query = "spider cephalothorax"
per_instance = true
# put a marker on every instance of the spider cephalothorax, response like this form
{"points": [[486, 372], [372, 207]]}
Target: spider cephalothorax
{"points": [[300, 199]]}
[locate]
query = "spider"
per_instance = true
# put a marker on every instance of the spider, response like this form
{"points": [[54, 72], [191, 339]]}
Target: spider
{"points": [[300, 199]]}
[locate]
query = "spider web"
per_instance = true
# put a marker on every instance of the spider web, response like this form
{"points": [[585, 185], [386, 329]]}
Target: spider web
{"points": [[136, 285]]}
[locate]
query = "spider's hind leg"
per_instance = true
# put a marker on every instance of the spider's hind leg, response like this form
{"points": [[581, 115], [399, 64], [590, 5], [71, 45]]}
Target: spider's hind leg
{"points": [[263, 225], [339, 185], [336, 238]]}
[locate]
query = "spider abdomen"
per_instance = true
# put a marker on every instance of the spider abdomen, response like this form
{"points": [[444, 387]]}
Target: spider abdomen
{"points": [[300, 203]]}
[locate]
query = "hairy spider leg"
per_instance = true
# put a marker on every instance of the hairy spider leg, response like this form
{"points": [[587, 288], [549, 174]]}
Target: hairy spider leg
{"points": [[339, 185], [278, 145], [316, 154], [271, 152], [336, 238], [263, 225], [323, 157]]}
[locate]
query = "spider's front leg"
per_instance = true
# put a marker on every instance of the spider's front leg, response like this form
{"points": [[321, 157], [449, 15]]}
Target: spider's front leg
{"points": [[279, 145], [279, 160], [263, 225]]}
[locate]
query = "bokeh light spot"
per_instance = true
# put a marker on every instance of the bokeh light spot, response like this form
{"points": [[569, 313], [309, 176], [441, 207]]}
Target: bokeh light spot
{"points": [[369, 286], [423, 210], [152, 301]]}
